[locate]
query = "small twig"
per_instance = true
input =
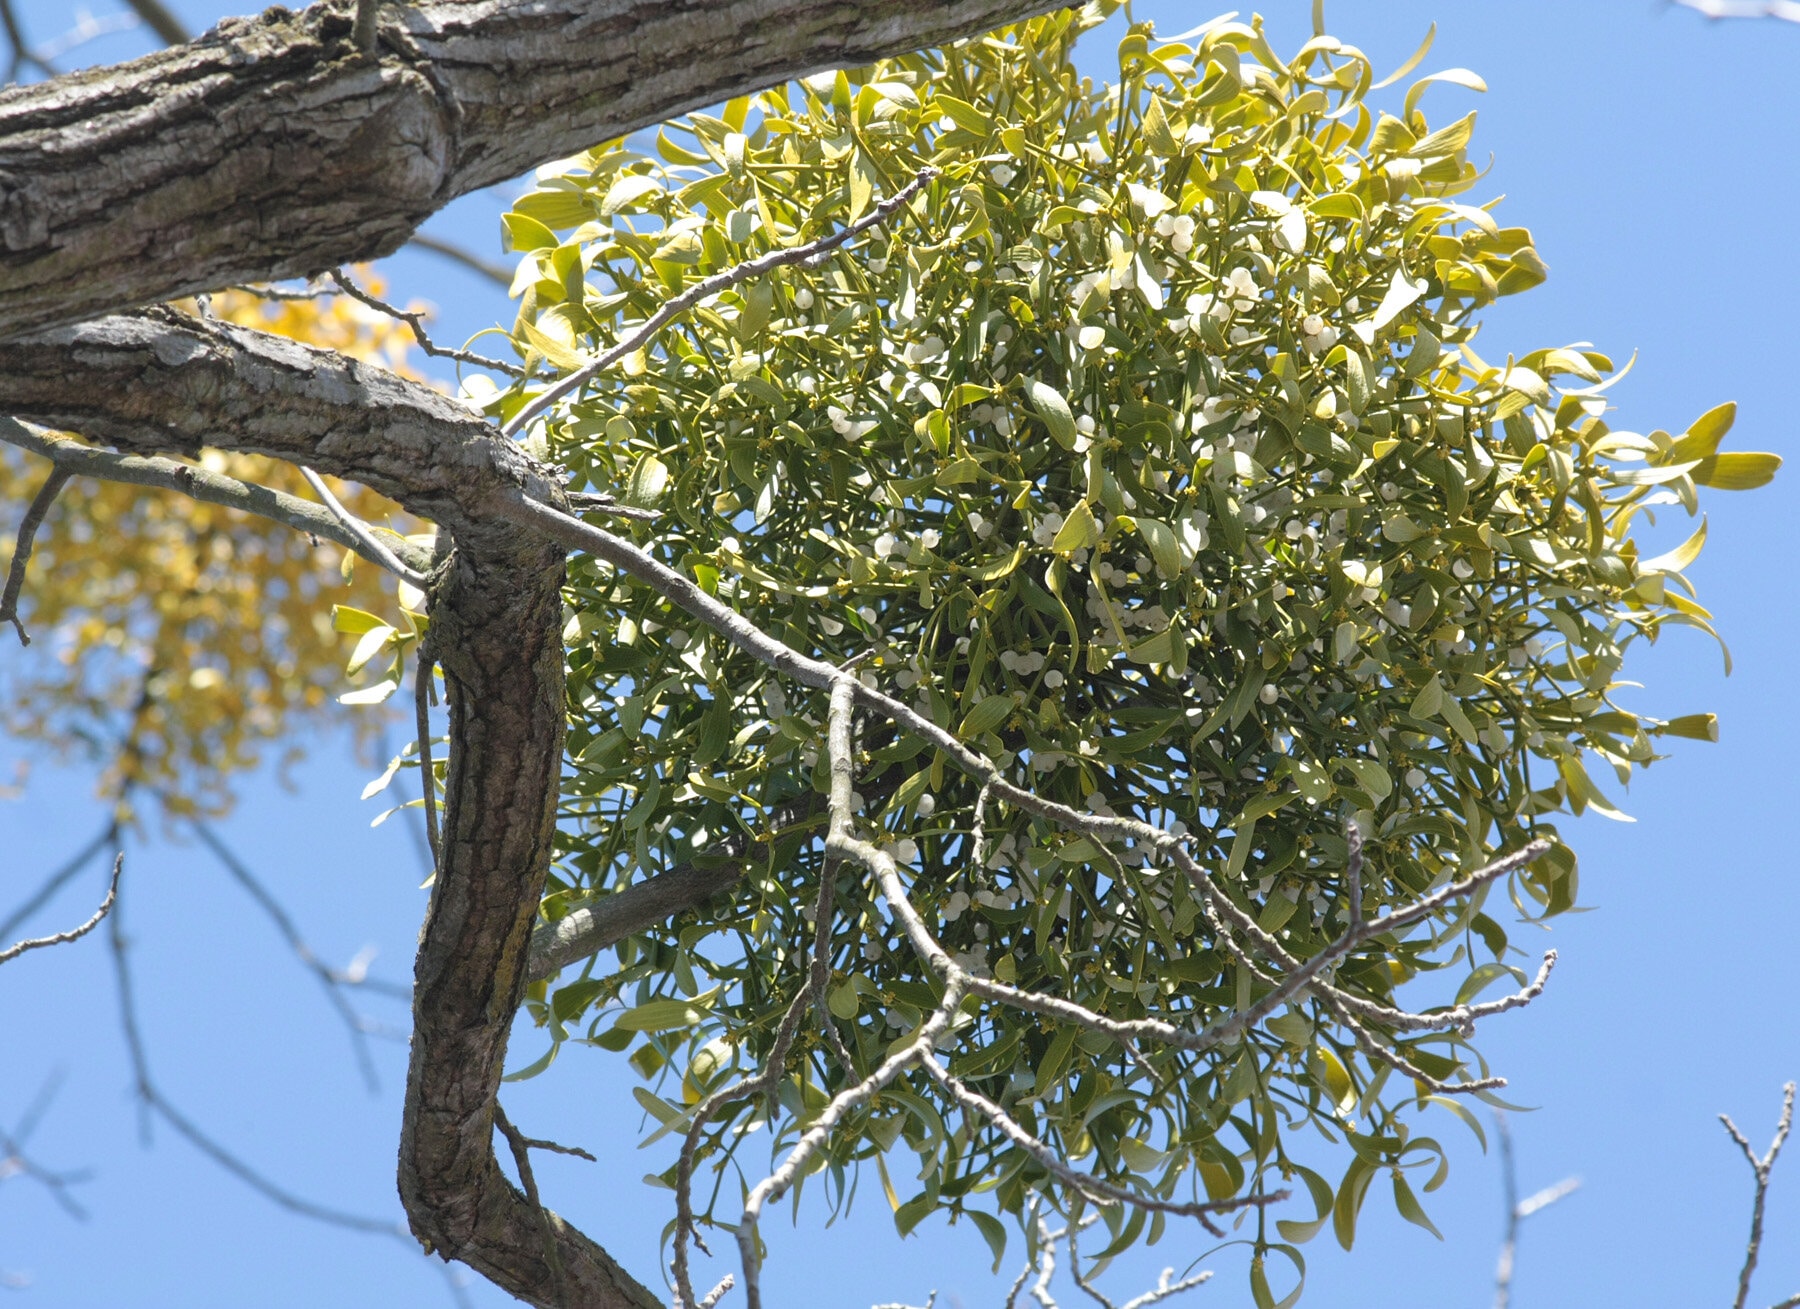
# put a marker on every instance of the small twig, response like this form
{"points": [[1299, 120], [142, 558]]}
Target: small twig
{"points": [[820, 971], [521, 1146], [1517, 1210], [422, 674], [331, 979], [1762, 1168], [456, 254], [279, 296], [152, 1101], [22, 53], [809, 255], [416, 321], [1353, 869], [360, 530], [159, 20], [74, 933], [107, 835], [14, 1162], [15, 577]]}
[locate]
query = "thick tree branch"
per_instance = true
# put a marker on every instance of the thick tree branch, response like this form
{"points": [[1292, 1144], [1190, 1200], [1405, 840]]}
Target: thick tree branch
{"points": [[158, 382], [272, 147]]}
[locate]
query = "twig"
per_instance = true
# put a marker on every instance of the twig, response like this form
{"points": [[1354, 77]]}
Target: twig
{"points": [[22, 53], [75, 933], [331, 979], [521, 1146], [773, 1068], [416, 321], [1517, 1211], [1762, 1168], [14, 1162], [107, 835], [809, 255], [152, 1101], [603, 503], [422, 674], [455, 253], [159, 20], [820, 970], [360, 530], [15, 577], [201, 484]]}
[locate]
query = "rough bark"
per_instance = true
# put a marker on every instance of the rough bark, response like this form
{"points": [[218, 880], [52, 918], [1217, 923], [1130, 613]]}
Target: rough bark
{"points": [[270, 147], [157, 382]]}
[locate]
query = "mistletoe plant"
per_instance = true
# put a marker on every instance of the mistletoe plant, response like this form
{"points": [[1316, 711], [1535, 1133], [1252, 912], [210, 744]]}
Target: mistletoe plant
{"points": [[1145, 452]]}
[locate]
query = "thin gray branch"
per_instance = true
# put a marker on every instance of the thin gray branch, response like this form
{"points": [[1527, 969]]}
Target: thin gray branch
{"points": [[1517, 1211], [15, 1162], [107, 835], [75, 933], [371, 547], [416, 321], [1762, 1168], [333, 980], [201, 484], [810, 254], [152, 1100]]}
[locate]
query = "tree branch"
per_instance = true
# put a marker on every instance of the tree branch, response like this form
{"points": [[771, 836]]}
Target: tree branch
{"points": [[499, 274], [15, 575], [272, 147], [1762, 1168], [72, 457], [75, 933]]}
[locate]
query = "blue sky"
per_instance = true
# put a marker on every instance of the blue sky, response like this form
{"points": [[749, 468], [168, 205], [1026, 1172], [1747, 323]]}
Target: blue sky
{"points": [[1653, 154]]}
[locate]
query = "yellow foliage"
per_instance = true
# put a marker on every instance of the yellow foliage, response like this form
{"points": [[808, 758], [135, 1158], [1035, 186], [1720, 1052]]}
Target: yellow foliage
{"points": [[173, 640]]}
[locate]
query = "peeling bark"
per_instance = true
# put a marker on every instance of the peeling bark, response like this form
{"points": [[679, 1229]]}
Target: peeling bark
{"points": [[271, 147]]}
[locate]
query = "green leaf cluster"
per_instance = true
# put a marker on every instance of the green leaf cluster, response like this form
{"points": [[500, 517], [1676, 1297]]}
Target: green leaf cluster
{"points": [[1148, 449]]}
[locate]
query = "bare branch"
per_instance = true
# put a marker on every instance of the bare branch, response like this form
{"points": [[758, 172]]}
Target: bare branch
{"points": [[152, 1101], [74, 457], [416, 321], [14, 1162], [158, 19], [107, 835], [520, 1145], [810, 254], [333, 980], [360, 530], [1517, 1211], [364, 33], [23, 56], [1762, 1169], [456, 254], [15, 576], [76, 933]]}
